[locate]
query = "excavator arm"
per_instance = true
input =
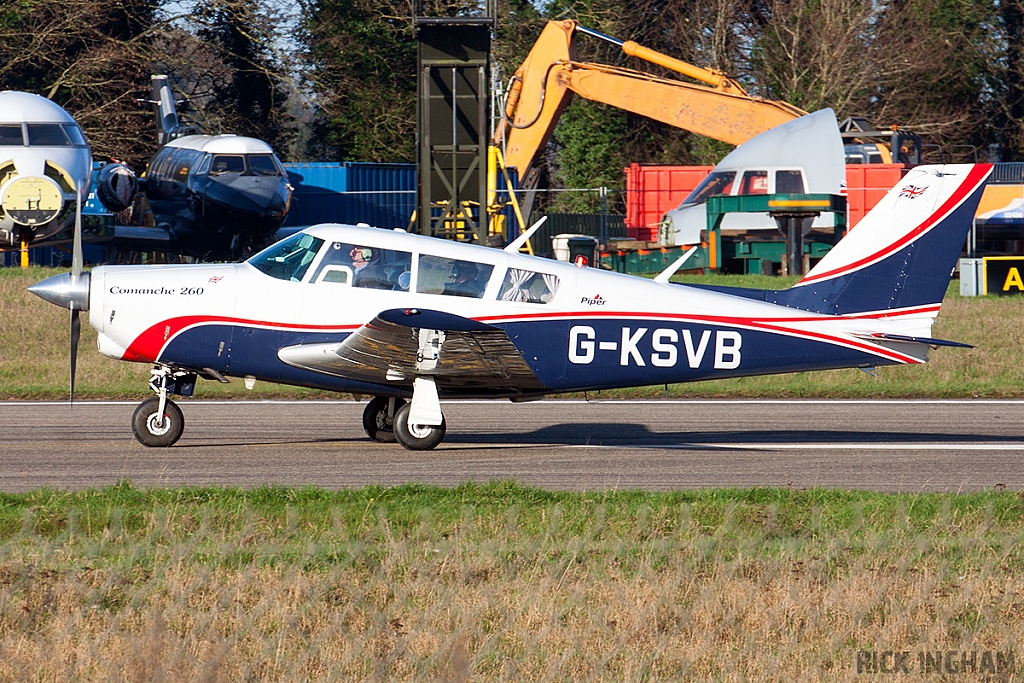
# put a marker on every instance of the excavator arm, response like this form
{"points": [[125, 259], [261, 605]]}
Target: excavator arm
{"points": [[542, 86]]}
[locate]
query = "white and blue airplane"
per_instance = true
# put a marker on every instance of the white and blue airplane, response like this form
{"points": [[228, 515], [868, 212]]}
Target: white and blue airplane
{"points": [[410, 320]]}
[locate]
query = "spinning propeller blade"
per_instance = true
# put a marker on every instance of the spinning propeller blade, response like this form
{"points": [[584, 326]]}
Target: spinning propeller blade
{"points": [[76, 274]]}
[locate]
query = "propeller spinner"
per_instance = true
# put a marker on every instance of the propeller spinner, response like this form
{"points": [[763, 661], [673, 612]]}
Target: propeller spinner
{"points": [[69, 290]]}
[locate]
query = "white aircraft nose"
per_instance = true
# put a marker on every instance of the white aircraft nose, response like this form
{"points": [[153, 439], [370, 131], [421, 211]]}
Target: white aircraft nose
{"points": [[64, 290]]}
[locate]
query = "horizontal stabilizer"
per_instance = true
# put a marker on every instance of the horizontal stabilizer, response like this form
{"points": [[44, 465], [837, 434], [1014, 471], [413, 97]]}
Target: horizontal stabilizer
{"points": [[930, 341]]}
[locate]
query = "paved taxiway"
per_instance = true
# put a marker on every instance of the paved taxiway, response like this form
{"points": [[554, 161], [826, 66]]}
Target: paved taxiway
{"points": [[880, 445]]}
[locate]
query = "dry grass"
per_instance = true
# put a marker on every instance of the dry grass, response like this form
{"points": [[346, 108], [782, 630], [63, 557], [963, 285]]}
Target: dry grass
{"points": [[735, 586]]}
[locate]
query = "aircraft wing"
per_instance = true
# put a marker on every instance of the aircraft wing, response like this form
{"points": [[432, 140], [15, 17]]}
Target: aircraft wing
{"points": [[399, 345]]}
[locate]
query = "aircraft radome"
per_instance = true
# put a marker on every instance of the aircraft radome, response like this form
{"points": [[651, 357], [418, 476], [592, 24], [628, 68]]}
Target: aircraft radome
{"points": [[409, 319]]}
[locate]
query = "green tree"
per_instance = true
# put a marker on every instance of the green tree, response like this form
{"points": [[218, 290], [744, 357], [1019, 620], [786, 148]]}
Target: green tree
{"points": [[361, 63], [91, 57], [253, 99]]}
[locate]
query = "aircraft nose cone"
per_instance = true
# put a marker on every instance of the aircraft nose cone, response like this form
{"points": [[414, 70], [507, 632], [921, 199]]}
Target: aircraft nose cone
{"points": [[260, 196], [64, 290]]}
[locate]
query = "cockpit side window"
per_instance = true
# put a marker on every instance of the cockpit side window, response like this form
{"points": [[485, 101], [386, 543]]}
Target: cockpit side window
{"points": [[289, 259], [528, 287], [789, 182], [453, 277], [75, 134], [47, 135], [262, 164], [204, 166], [233, 164], [10, 135], [359, 265]]}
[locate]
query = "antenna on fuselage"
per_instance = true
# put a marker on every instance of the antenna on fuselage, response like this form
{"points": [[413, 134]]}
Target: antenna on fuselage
{"points": [[664, 275], [514, 246]]}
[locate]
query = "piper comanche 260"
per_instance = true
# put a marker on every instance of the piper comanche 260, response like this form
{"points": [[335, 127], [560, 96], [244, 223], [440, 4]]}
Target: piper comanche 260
{"points": [[409, 319]]}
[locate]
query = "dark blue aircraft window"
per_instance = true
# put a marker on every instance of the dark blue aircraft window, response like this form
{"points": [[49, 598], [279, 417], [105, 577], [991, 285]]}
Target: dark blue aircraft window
{"points": [[262, 164], [290, 258], [364, 266], [529, 287], [10, 136], [47, 135], [227, 163], [439, 275], [791, 182], [75, 133]]}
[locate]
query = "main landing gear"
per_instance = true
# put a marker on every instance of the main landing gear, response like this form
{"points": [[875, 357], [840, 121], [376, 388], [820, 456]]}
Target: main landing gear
{"points": [[387, 420], [158, 421]]}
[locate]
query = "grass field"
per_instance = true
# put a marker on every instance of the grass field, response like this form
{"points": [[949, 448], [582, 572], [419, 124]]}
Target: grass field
{"points": [[495, 583], [501, 583], [34, 356]]}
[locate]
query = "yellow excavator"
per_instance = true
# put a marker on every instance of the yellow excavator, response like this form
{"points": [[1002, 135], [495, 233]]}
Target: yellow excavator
{"points": [[542, 86], [717, 107]]}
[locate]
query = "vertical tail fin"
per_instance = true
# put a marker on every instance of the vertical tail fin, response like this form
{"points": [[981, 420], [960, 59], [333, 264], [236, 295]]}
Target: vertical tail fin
{"points": [[166, 114], [902, 254]]}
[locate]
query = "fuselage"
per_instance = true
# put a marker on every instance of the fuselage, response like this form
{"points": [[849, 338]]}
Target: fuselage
{"points": [[44, 160], [576, 328], [214, 193]]}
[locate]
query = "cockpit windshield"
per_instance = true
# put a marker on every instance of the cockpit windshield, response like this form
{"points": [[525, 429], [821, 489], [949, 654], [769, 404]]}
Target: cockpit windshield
{"points": [[262, 164], [10, 135], [233, 164], [718, 182], [290, 258]]}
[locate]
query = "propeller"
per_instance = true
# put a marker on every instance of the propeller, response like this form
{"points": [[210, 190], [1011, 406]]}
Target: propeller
{"points": [[70, 290], [76, 276]]}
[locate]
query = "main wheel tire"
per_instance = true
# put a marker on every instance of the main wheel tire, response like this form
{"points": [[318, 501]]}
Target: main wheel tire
{"points": [[151, 429], [376, 422], [417, 437]]}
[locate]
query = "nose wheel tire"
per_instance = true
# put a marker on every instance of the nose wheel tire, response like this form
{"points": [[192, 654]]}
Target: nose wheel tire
{"points": [[377, 423], [155, 430], [417, 437]]}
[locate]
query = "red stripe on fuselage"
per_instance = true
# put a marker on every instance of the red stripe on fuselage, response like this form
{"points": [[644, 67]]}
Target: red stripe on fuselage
{"points": [[148, 346]]}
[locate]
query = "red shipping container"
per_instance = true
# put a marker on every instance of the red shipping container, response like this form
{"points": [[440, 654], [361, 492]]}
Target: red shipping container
{"points": [[651, 190], [866, 184]]}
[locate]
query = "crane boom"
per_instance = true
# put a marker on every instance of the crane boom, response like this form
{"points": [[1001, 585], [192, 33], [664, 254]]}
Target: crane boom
{"points": [[550, 74]]}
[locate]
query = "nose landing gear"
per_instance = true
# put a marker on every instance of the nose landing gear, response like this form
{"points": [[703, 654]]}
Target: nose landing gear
{"points": [[158, 422]]}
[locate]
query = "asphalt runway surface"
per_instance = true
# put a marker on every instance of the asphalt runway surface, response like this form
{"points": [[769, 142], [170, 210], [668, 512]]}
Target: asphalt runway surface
{"points": [[557, 444]]}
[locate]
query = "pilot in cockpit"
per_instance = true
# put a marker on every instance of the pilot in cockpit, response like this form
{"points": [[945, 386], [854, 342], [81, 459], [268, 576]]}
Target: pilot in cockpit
{"points": [[368, 270]]}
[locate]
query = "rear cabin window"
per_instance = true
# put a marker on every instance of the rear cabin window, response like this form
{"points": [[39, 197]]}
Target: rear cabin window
{"points": [[452, 277], [290, 258], [359, 265], [10, 136], [528, 287]]}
